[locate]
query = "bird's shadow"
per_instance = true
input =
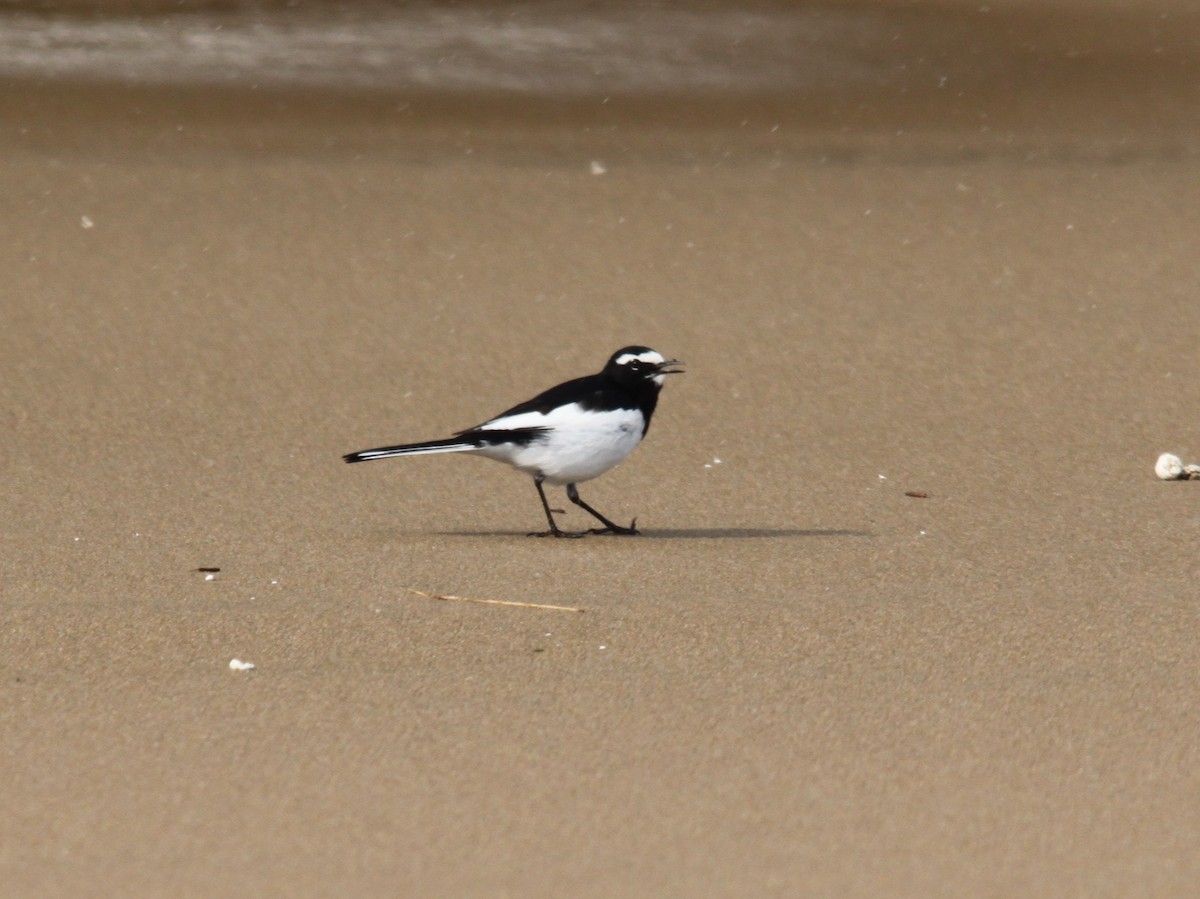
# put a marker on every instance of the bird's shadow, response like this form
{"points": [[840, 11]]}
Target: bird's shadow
{"points": [[745, 533], [691, 533]]}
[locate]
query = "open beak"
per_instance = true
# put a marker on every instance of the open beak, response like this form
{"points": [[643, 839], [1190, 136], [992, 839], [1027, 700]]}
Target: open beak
{"points": [[666, 369]]}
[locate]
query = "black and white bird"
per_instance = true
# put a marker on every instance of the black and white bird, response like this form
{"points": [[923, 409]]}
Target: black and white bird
{"points": [[567, 435]]}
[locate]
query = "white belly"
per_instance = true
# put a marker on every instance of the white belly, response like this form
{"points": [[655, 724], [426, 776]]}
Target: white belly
{"points": [[578, 446]]}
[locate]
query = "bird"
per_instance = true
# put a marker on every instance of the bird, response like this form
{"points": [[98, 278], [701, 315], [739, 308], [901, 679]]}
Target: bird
{"points": [[566, 435]]}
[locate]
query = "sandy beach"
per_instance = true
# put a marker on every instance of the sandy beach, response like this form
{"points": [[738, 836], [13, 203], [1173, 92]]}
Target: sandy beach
{"points": [[802, 679]]}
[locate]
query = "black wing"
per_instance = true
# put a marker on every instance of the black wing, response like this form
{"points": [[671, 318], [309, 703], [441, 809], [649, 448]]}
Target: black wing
{"points": [[592, 392]]}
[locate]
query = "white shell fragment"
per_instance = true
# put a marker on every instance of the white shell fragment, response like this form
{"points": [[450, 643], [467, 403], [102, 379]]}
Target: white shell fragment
{"points": [[239, 665], [1169, 467], [598, 167]]}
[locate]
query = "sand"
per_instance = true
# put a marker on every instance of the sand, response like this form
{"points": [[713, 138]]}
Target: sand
{"points": [[800, 680]]}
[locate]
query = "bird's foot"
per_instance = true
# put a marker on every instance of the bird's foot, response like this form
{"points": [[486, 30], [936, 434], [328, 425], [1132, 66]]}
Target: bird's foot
{"points": [[617, 529]]}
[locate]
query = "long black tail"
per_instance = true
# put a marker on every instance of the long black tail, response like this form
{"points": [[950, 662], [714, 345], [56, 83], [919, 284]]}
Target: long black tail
{"points": [[448, 445]]}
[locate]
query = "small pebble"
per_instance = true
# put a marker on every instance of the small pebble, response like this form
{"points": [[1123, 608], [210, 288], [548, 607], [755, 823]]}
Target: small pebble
{"points": [[1169, 467], [239, 665]]}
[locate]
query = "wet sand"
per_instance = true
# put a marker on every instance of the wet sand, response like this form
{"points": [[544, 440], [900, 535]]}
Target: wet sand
{"points": [[800, 680]]}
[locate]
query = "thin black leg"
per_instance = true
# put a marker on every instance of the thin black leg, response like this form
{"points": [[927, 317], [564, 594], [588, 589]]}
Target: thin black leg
{"points": [[609, 527], [555, 530]]}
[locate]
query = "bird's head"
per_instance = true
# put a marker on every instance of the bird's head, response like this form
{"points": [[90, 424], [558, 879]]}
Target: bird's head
{"points": [[640, 364]]}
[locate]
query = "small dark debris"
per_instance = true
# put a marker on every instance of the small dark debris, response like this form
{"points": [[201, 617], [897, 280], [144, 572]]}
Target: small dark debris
{"points": [[209, 570], [916, 494]]}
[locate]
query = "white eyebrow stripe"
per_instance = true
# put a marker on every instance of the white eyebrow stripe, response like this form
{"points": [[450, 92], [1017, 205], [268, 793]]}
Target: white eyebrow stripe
{"points": [[652, 357]]}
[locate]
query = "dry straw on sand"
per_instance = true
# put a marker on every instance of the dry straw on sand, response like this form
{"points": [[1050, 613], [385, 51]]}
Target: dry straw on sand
{"points": [[492, 602]]}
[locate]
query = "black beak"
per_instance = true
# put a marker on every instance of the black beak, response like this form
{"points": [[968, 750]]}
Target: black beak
{"points": [[664, 368]]}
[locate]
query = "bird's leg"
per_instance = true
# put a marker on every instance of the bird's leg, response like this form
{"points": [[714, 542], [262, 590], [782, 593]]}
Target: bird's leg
{"points": [[555, 530], [609, 527]]}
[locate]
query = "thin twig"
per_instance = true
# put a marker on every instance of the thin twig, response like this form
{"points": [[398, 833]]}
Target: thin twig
{"points": [[491, 602]]}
